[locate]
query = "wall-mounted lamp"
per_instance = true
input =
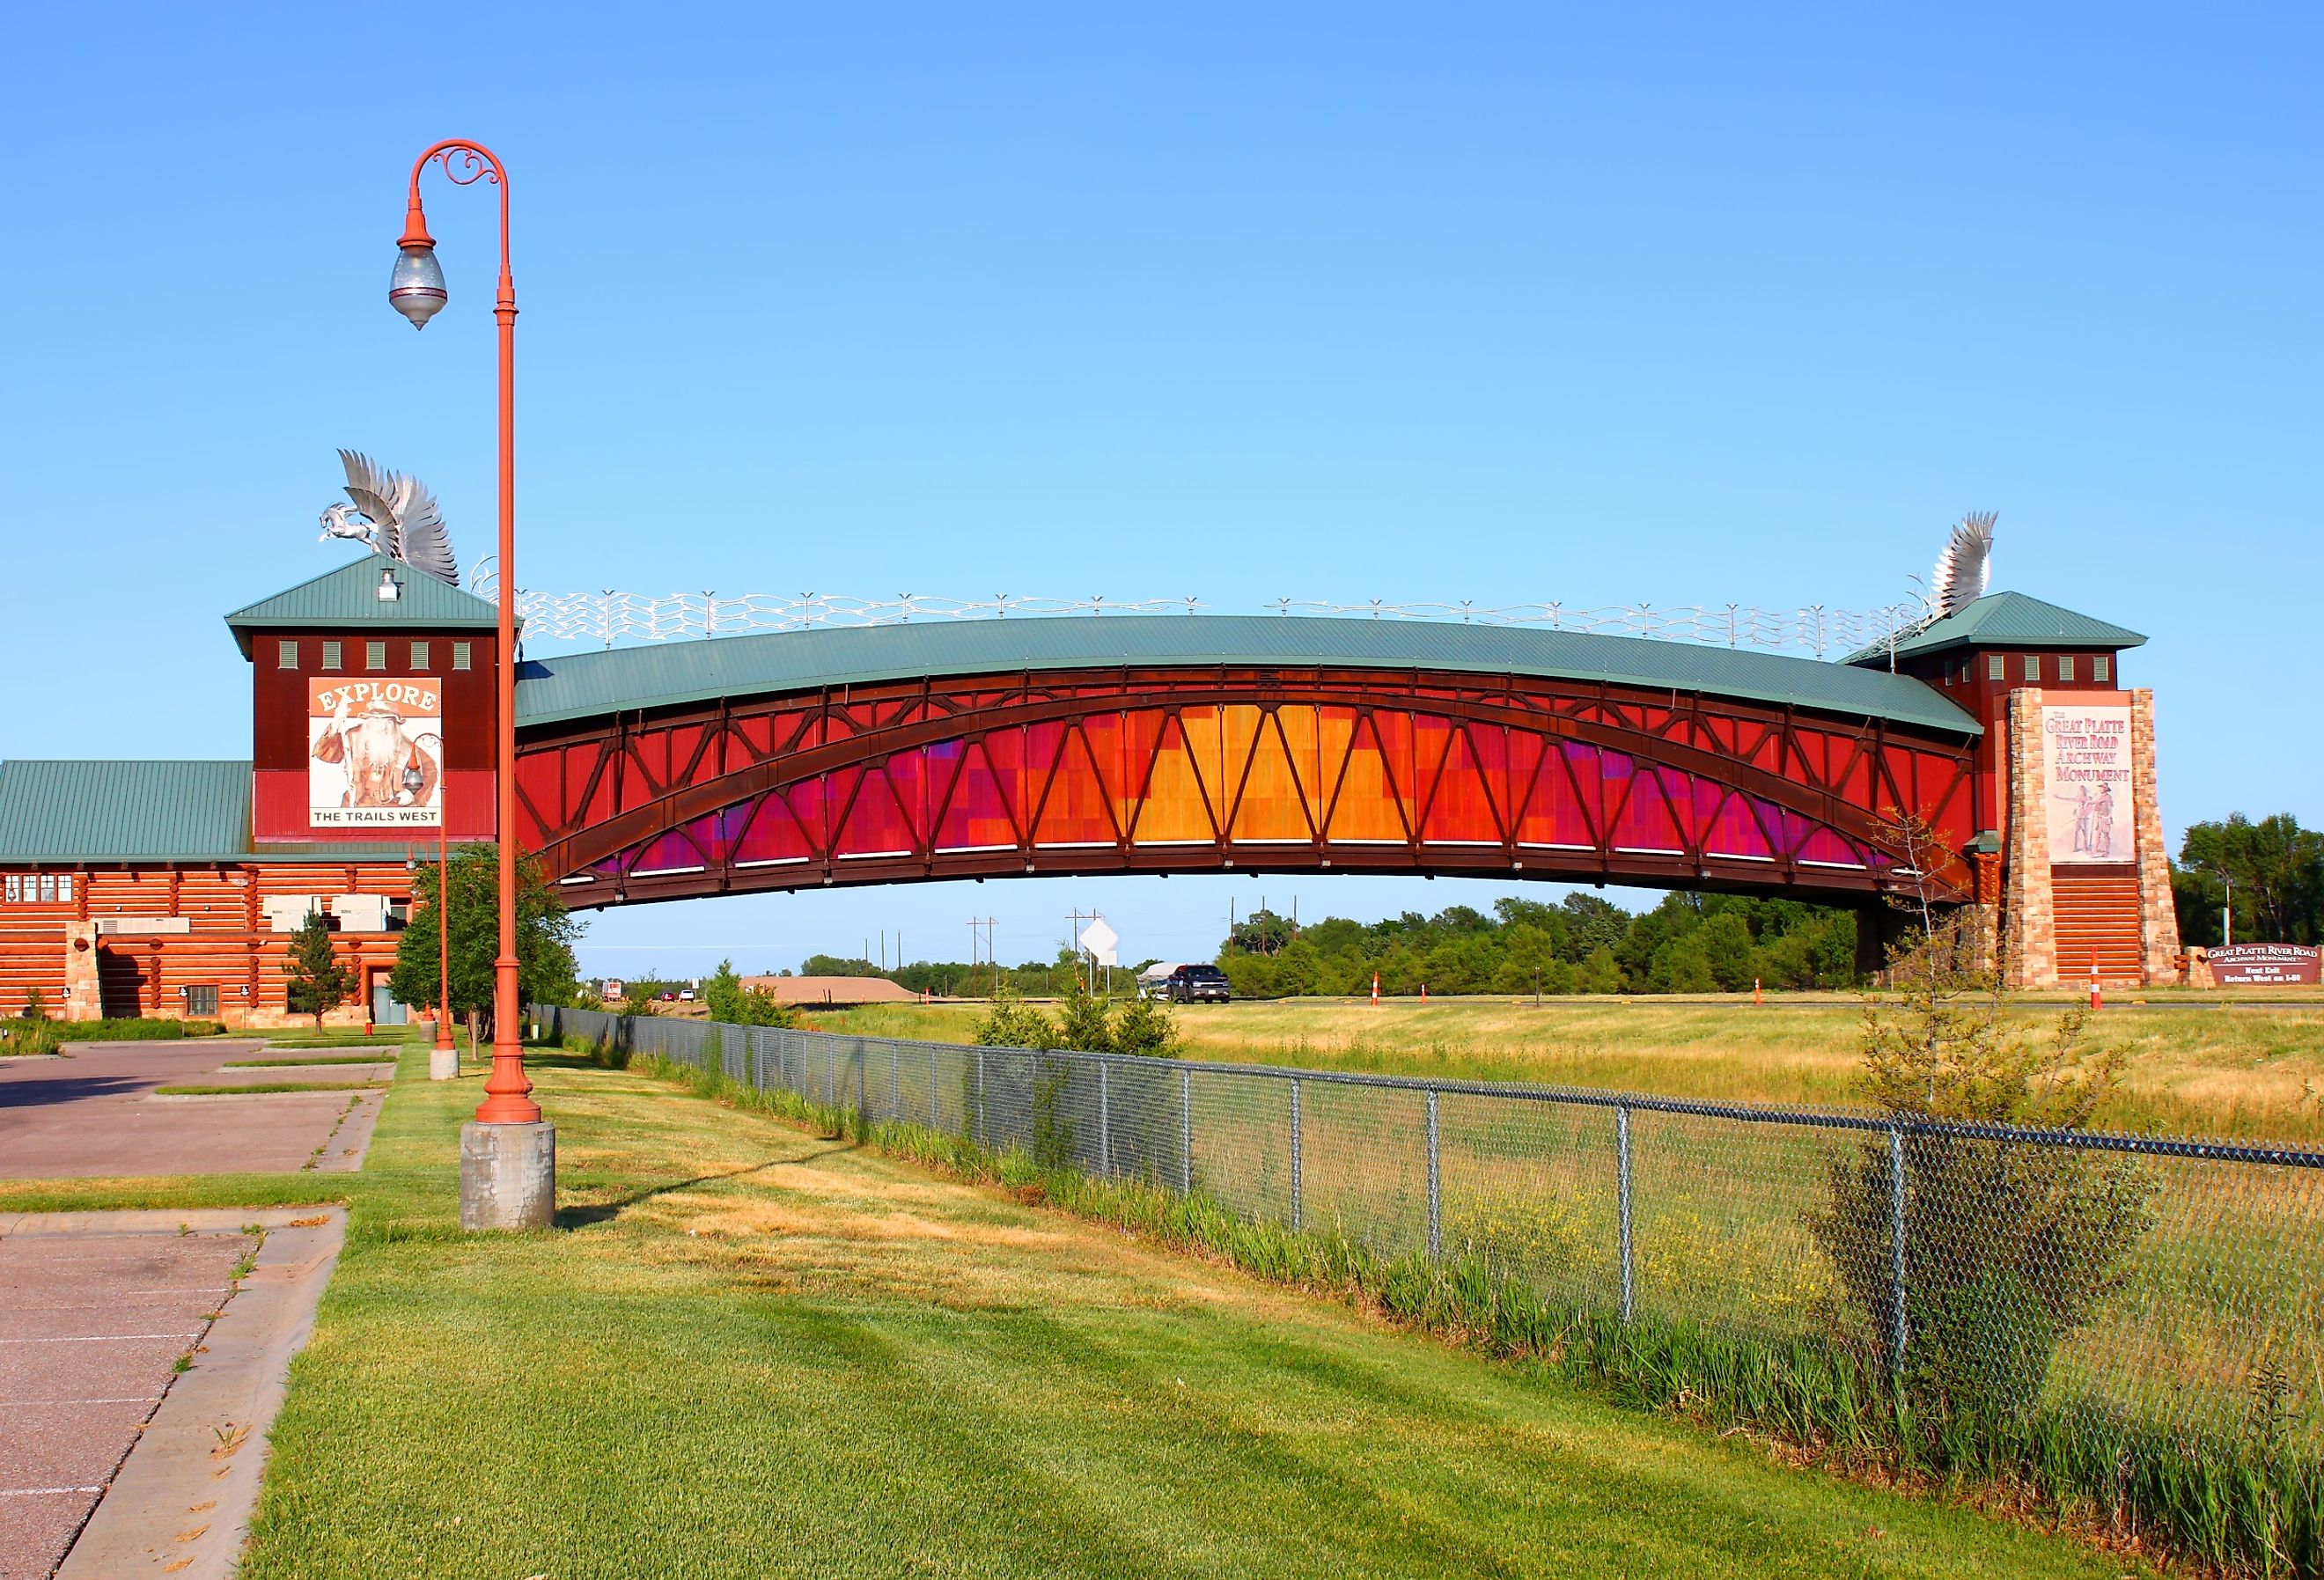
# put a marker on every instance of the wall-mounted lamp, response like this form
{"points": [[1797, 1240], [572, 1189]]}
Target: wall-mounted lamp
{"points": [[390, 589]]}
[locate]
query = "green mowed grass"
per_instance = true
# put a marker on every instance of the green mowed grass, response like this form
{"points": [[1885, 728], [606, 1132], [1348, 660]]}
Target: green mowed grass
{"points": [[2197, 1067], [753, 1351]]}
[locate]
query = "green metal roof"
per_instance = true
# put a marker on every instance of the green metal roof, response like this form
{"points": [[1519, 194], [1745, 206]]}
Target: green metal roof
{"points": [[584, 685], [349, 595], [66, 811], [2006, 620]]}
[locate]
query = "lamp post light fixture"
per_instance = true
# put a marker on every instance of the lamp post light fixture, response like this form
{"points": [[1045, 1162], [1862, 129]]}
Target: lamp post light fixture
{"points": [[508, 1153]]}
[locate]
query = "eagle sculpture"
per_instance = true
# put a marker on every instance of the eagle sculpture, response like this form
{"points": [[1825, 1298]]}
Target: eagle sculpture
{"points": [[395, 514], [1959, 577]]}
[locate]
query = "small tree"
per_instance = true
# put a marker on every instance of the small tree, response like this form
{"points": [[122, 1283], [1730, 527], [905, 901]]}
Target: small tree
{"points": [[547, 972], [36, 1008], [1146, 1026], [316, 982], [723, 992], [1087, 1021], [2008, 1245], [761, 1008], [1010, 1023]]}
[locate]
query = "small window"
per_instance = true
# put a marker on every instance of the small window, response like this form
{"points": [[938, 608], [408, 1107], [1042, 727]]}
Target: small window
{"points": [[2033, 666], [375, 656], [1993, 667], [201, 999], [286, 655], [15, 890], [419, 655], [2101, 668], [64, 887], [48, 888], [2065, 666], [460, 655], [330, 655]]}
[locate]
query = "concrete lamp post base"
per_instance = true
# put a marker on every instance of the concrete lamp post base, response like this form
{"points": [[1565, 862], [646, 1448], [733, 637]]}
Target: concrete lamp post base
{"points": [[508, 1176], [443, 1064]]}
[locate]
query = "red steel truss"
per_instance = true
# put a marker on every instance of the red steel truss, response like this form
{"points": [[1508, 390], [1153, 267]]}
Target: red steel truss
{"points": [[1177, 770]]}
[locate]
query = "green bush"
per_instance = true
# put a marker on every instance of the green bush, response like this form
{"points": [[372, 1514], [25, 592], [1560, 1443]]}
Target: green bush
{"points": [[2008, 1247], [1146, 1026], [28, 1036], [1012, 1024], [136, 1031]]}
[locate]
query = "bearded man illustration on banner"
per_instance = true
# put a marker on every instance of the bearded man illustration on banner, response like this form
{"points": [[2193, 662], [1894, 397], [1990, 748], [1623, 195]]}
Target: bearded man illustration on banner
{"points": [[376, 751]]}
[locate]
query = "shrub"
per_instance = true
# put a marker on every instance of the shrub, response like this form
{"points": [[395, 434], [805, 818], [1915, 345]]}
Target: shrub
{"points": [[2008, 1247], [1012, 1024], [1146, 1026], [1087, 1022]]}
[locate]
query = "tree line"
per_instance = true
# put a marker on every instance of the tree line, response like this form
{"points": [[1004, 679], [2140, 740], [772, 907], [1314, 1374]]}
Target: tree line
{"points": [[2274, 870]]}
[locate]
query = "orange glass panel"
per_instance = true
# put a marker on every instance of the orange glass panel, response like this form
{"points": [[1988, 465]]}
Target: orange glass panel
{"points": [[1302, 738], [1174, 808], [1366, 805], [1273, 805]]}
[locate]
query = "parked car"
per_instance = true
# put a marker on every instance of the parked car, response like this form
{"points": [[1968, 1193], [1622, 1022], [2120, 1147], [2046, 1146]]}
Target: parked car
{"points": [[686, 995], [1193, 984], [667, 997]]}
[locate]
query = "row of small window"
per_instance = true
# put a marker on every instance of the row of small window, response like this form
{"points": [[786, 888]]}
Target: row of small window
{"points": [[39, 888], [286, 655], [1996, 668]]}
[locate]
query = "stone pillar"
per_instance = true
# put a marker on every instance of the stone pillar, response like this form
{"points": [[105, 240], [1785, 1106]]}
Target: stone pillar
{"points": [[2158, 913], [508, 1176], [84, 994], [2028, 920]]}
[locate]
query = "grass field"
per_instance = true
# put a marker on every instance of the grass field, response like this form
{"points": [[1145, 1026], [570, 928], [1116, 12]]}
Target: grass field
{"points": [[2205, 1070], [753, 1351]]}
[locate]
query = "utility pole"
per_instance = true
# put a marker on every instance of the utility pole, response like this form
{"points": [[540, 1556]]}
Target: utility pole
{"points": [[1074, 919], [987, 923]]}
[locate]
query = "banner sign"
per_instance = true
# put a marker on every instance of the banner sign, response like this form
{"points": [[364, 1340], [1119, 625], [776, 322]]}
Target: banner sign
{"points": [[2088, 755], [2264, 965], [375, 754]]}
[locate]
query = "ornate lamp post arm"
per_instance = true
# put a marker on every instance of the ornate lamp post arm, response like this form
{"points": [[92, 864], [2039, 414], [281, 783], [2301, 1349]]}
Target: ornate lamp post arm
{"points": [[416, 290]]}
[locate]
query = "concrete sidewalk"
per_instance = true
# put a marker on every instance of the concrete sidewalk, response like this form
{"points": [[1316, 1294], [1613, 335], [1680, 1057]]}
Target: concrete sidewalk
{"points": [[91, 1114], [97, 1312]]}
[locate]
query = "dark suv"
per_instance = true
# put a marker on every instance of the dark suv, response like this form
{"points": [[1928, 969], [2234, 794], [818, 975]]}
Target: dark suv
{"points": [[1192, 984]]}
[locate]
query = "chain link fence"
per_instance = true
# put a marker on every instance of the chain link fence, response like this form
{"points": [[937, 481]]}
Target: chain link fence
{"points": [[2170, 1289]]}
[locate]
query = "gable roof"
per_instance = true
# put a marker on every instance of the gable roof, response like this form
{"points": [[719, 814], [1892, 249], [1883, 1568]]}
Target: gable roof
{"points": [[673, 674], [349, 595], [67, 812], [2006, 620]]}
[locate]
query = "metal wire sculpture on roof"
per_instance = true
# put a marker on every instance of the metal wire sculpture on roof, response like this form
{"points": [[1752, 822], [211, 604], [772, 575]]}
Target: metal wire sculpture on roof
{"points": [[608, 617]]}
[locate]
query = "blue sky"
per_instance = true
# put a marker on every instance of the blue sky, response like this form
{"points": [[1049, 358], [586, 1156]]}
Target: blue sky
{"points": [[1605, 304]]}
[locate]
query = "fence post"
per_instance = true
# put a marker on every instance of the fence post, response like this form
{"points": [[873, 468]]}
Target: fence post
{"points": [[981, 1131], [1622, 1186], [1104, 1124], [1296, 1215], [1186, 1132], [929, 1048], [1435, 1191], [896, 1080], [1897, 1333]]}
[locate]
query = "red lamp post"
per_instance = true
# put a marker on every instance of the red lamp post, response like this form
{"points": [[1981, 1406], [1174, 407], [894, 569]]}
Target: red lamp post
{"points": [[416, 289]]}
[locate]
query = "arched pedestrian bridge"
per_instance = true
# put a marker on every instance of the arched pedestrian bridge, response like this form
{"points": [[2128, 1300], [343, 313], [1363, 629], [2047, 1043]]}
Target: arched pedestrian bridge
{"points": [[1181, 743]]}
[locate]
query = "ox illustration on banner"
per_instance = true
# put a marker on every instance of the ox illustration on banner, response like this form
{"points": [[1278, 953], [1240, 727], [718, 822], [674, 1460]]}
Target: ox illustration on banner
{"points": [[2089, 756], [375, 754]]}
